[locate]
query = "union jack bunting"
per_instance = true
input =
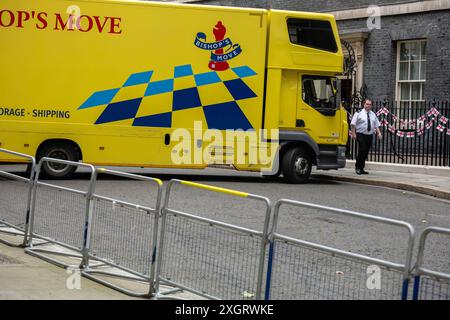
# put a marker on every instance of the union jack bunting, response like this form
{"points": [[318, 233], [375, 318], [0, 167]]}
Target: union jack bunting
{"points": [[433, 112], [383, 110], [411, 134], [421, 131], [443, 119], [391, 129], [400, 134], [440, 128]]}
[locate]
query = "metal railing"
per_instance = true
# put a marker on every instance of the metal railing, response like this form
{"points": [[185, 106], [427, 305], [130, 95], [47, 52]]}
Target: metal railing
{"points": [[411, 134], [209, 258], [59, 217], [300, 269], [430, 284], [122, 236], [15, 201]]}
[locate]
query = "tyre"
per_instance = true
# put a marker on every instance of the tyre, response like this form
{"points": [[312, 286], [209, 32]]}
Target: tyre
{"points": [[296, 165], [58, 150]]}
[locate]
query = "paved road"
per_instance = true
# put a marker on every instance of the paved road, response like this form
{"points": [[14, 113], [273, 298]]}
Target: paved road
{"points": [[355, 235]]}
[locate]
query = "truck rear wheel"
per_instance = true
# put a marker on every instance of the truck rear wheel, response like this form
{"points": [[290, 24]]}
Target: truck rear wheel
{"points": [[58, 150], [296, 165]]}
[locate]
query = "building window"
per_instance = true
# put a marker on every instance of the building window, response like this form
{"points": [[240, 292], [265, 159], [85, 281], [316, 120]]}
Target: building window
{"points": [[411, 73]]}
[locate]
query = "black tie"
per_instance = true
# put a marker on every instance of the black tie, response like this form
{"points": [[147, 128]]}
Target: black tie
{"points": [[368, 123]]}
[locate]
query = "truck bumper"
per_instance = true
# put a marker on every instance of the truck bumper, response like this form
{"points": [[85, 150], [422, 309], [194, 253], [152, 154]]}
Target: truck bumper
{"points": [[331, 157]]}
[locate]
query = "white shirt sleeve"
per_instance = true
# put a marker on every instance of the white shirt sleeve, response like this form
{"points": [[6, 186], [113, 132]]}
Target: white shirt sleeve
{"points": [[355, 117]]}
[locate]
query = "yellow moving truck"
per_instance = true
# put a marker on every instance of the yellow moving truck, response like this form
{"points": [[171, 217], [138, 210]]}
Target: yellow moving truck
{"points": [[115, 82]]}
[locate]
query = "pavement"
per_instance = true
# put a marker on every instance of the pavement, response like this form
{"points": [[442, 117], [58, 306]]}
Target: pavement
{"points": [[432, 181], [23, 277]]}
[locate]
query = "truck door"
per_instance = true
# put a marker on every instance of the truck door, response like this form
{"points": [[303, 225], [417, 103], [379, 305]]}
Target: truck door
{"points": [[317, 106]]}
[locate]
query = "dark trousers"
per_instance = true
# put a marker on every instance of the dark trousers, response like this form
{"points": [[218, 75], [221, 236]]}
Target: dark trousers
{"points": [[364, 145]]}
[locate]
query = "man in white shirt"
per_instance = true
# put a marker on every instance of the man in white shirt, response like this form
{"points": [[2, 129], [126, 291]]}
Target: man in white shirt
{"points": [[364, 124]]}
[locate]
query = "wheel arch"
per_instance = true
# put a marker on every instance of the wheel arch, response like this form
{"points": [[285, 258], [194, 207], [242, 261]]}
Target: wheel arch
{"points": [[69, 142], [293, 139]]}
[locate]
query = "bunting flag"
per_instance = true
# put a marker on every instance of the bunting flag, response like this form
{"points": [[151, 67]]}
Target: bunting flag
{"points": [[429, 124], [410, 134], [384, 111], [433, 112], [440, 128], [448, 131], [421, 131], [422, 118], [443, 120], [391, 129], [400, 134]]}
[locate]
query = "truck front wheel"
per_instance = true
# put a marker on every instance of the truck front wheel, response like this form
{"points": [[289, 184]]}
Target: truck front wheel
{"points": [[58, 150], [296, 165]]}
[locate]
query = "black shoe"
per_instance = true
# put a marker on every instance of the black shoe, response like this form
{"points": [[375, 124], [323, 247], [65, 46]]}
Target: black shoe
{"points": [[358, 172], [364, 172]]}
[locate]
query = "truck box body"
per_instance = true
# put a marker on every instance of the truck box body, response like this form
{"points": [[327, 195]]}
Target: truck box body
{"points": [[116, 79]]}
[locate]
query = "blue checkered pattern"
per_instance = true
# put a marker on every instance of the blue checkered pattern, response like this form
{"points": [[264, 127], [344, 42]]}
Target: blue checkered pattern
{"points": [[222, 116]]}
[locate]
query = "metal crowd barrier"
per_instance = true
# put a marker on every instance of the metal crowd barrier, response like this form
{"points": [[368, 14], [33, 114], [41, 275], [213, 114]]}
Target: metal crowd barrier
{"points": [[430, 284], [15, 200], [300, 269], [58, 218], [122, 236], [209, 258], [112, 238]]}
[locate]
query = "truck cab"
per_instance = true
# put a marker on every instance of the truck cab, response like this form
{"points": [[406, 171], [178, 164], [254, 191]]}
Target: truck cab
{"points": [[302, 93]]}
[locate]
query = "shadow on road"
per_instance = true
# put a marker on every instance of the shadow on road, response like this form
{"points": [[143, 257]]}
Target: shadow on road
{"points": [[194, 177], [206, 177]]}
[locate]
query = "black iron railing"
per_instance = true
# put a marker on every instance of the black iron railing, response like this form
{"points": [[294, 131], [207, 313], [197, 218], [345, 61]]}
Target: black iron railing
{"points": [[412, 134]]}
